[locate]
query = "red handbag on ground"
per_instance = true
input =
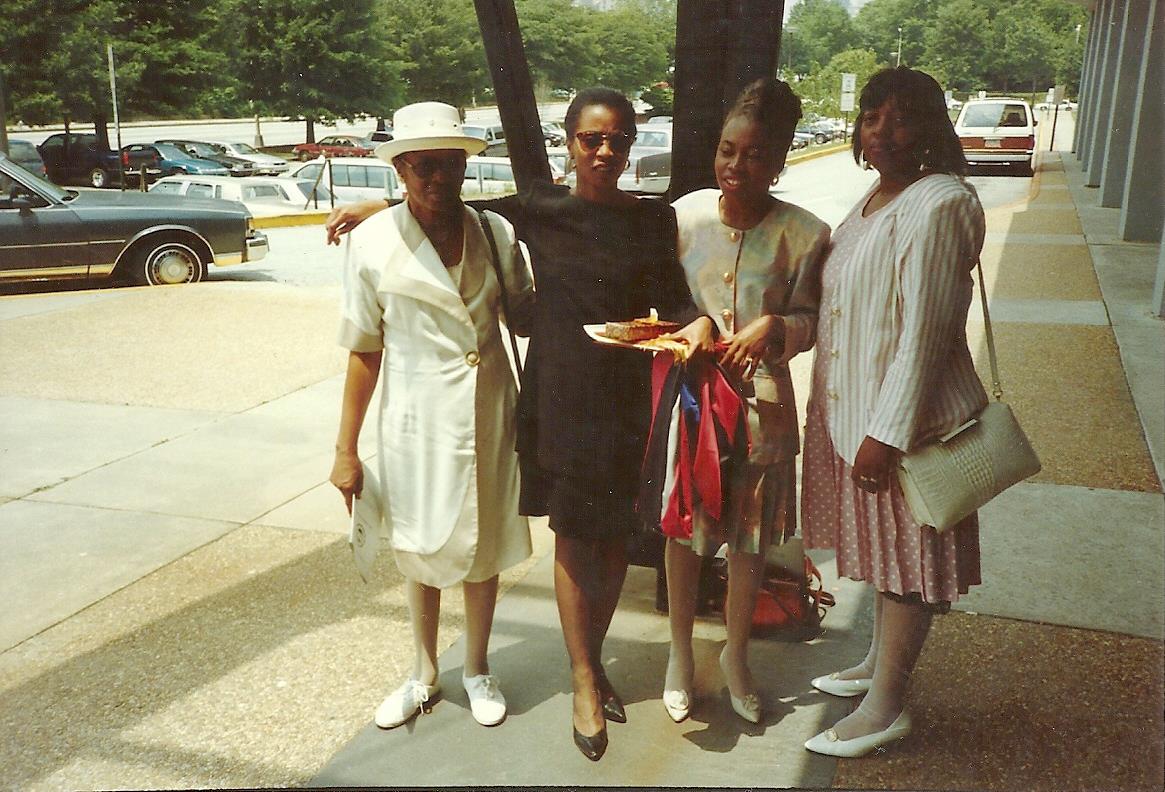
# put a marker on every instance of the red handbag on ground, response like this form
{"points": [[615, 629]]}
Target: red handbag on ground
{"points": [[791, 601]]}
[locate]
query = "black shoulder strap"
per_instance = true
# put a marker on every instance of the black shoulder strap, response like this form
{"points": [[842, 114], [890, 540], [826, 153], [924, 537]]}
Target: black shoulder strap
{"points": [[497, 265]]}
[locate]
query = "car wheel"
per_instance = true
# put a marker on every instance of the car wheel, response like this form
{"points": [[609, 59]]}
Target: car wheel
{"points": [[820, 138], [170, 263], [98, 178], [304, 156]]}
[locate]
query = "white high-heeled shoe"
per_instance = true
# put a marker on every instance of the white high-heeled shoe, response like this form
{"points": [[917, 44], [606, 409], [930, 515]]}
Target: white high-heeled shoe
{"points": [[829, 744], [678, 704], [748, 707], [836, 686]]}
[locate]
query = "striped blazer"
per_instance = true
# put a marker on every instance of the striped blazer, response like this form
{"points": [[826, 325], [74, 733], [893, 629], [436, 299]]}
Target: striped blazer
{"points": [[900, 370]]}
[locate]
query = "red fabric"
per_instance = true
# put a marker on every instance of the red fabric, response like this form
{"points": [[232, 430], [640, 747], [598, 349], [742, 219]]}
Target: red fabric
{"points": [[698, 474]]}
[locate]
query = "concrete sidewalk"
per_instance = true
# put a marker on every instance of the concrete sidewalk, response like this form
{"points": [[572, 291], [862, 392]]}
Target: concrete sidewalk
{"points": [[184, 612]]}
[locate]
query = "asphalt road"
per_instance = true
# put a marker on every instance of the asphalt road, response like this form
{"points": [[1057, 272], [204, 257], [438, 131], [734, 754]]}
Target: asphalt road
{"points": [[827, 186], [275, 133]]}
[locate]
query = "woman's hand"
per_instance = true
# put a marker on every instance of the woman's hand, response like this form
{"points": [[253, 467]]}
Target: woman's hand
{"points": [[697, 335], [763, 336], [348, 476], [873, 465], [344, 218]]}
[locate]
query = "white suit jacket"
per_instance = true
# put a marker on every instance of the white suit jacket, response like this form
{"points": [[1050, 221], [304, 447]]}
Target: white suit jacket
{"points": [[900, 370], [439, 383]]}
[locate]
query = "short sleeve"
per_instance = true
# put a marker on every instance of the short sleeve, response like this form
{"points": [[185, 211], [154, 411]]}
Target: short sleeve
{"points": [[361, 314]]}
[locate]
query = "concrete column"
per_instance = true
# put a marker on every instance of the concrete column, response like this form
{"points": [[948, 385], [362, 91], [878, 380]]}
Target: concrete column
{"points": [[1082, 91], [1086, 107], [510, 73], [1134, 25], [1103, 104], [1143, 198], [1159, 286]]}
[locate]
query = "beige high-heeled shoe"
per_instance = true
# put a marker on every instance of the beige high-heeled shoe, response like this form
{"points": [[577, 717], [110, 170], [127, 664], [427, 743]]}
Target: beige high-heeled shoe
{"points": [[749, 706]]}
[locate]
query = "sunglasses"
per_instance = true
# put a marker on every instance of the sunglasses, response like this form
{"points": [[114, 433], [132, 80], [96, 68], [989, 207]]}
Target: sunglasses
{"points": [[620, 142], [425, 167]]}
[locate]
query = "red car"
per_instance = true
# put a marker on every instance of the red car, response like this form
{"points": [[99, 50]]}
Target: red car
{"points": [[335, 146]]}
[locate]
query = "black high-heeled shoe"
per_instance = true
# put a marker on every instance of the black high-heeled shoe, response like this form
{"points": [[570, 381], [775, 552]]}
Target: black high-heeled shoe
{"points": [[592, 747], [613, 708]]}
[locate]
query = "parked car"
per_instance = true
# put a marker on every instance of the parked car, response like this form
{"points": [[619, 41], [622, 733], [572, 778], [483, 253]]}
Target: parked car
{"points": [[997, 131], [24, 154], [380, 135], [162, 159], [352, 178], [335, 146], [262, 195], [814, 132], [485, 175], [265, 164], [79, 158], [237, 166], [51, 233], [493, 135], [801, 139], [654, 136], [659, 119], [553, 134]]}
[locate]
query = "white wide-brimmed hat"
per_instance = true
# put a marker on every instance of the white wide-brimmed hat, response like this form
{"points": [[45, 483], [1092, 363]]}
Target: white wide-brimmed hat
{"points": [[427, 126]]}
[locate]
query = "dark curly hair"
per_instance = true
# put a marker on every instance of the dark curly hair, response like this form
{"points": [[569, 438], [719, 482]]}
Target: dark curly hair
{"points": [[772, 104], [921, 100], [604, 97]]}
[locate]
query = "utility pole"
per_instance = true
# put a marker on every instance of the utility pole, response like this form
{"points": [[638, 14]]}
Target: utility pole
{"points": [[3, 117], [510, 73]]}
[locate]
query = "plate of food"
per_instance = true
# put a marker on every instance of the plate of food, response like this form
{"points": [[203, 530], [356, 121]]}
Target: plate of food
{"points": [[642, 333]]}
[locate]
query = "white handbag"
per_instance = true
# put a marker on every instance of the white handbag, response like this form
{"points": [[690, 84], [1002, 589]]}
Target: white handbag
{"points": [[948, 478]]}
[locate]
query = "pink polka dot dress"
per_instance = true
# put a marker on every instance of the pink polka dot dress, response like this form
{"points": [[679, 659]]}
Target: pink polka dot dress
{"points": [[874, 535]]}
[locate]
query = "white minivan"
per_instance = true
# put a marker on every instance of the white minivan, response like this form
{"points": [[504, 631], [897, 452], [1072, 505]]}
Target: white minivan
{"points": [[352, 178], [997, 131]]}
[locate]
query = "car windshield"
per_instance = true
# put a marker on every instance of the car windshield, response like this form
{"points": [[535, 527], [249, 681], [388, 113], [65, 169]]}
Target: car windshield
{"points": [[994, 114], [200, 149], [13, 172], [170, 152], [244, 148], [653, 137], [474, 131], [321, 194]]}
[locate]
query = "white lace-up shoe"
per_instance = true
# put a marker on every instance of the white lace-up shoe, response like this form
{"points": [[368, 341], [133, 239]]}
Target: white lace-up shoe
{"points": [[405, 702], [485, 699]]}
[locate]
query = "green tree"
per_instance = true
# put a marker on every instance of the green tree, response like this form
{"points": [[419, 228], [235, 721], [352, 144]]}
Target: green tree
{"points": [[559, 48], [438, 49], [877, 24], [315, 59], [956, 44], [635, 54], [816, 31], [60, 72], [172, 59], [821, 92]]}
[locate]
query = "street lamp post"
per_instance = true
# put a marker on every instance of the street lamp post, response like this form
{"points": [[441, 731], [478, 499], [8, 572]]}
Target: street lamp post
{"points": [[898, 53]]}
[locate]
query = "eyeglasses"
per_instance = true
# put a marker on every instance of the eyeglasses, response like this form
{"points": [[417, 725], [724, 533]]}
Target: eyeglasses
{"points": [[620, 142], [425, 167]]}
